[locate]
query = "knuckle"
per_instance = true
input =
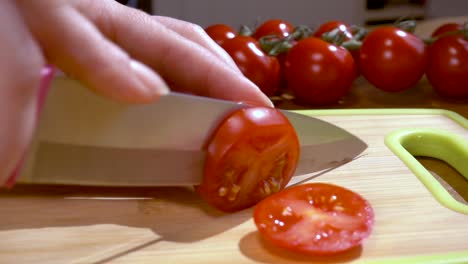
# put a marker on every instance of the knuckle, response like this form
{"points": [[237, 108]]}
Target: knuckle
{"points": [[195, 29]]}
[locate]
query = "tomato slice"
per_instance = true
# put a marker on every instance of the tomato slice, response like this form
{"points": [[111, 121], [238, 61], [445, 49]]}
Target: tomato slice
{"points": [[252, 154], [315, 218]]}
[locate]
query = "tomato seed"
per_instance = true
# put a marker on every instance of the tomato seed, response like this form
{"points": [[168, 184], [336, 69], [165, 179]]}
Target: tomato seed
{"points": [[222, 191], [229, 174], [274, 183], [287, 211], [338, 208], [234, 192], [266, 188]]}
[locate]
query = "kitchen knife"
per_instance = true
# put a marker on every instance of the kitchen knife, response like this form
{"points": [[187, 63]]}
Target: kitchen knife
{"points": [[84, 139]]}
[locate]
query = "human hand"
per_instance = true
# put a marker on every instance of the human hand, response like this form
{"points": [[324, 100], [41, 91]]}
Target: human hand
{"points": [[118, 52]]}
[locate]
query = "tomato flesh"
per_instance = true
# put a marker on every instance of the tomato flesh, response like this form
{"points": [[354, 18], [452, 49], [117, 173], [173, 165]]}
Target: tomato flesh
{"points": [[314, 218], [252, 154]]}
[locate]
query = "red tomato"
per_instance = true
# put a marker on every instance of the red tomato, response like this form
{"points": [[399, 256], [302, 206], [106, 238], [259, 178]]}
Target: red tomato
{"points": [[261, 69], [345, 29], [391, 59], [276, 27], [447, 69], [252, 154], [331, 25], [318, 72], [314, 218], [445, 28], [220, 32]]}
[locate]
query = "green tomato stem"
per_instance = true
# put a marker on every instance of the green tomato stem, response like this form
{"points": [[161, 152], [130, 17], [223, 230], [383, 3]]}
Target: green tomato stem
{"points": [[407, 25], [352, 44], [245, 31], [359, 33], [274, 45]]}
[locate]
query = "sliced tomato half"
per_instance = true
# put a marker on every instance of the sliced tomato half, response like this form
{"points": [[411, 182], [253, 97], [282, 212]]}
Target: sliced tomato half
{"points": [[251, 155], [315, 218]]}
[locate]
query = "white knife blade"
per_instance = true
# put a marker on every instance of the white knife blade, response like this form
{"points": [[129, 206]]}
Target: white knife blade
{"points": [[85, 139]]}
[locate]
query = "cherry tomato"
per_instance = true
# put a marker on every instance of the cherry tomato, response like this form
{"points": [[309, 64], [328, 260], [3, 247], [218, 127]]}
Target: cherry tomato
{"points": [[252, 154], [314, 218], [331, 25], [346, 30], [447, 69], [220, 32], [445, 28], [318, 72], [256, 65], [276, 27], [392, 60]]}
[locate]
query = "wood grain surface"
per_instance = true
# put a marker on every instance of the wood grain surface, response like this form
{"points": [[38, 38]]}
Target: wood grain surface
{"points": [[69, 224]]}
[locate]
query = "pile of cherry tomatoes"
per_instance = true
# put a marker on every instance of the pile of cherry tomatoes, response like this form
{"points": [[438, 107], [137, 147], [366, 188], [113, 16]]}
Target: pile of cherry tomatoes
{"points": [[319, 66]]}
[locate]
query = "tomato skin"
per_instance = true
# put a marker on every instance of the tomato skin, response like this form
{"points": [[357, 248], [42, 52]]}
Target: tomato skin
{"points": [[319, 73], [252, 154], [445, 28], [392, 60], [447, 69], [278, 27], [314, 219], [346, 30], [220, 32], [256, 65], [331, 25]]}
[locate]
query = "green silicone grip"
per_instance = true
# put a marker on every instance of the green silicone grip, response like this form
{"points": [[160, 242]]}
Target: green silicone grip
{"points": [[434, 143]]}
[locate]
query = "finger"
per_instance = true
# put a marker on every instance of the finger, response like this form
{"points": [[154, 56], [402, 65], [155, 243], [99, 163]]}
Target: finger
{"points": [[20, 68], [186, 65], [198, 35], [77, 47]]}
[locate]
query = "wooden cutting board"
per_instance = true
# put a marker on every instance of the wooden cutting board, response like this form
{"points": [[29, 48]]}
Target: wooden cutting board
{"points": [[69, 224]]}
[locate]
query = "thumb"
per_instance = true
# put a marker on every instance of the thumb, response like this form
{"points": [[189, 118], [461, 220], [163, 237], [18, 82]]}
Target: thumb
{"points": [[47, 74], [19, 78]]}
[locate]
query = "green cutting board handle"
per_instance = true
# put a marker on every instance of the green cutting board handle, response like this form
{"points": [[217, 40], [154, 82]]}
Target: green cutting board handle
{"points": [[434, 143]]}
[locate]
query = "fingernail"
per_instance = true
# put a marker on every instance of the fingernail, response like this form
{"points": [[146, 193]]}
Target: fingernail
{"points": [[270, 103], [47, 74], [153, 85], [252, 103], [262, 99]]}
